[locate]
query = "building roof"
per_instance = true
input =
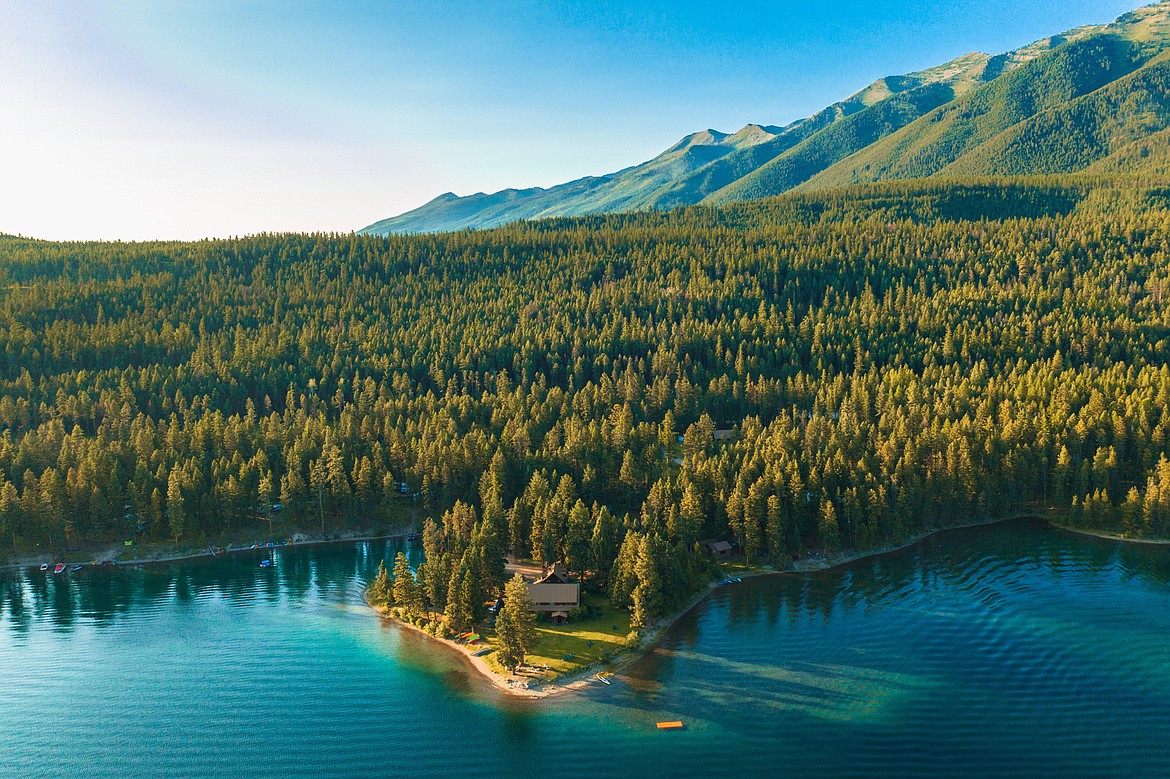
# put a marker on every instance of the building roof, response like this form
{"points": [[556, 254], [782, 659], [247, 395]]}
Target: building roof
{"points": [[719, 546], [555, 575], [554, 596]]}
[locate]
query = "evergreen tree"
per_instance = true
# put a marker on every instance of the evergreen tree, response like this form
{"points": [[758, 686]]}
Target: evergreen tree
{"points": [[461, 601], [381, 591], [828, 528], [647, 595], [405, 590], [176, 511], [516, 633]]}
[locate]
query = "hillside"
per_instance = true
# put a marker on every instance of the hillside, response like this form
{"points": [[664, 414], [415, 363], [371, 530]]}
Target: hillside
{"points": [[1059, 105], [1057, 113], [891, 357]]}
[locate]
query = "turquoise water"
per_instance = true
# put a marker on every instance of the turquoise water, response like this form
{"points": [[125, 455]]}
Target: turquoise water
{"points": [[1013, 650]]}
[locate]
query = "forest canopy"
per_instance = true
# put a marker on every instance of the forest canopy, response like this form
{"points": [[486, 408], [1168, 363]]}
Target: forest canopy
{"points": [[816, 371]]}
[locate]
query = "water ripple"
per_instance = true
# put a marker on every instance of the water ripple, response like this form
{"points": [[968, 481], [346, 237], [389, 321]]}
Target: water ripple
{"points": [[1006, 651]]}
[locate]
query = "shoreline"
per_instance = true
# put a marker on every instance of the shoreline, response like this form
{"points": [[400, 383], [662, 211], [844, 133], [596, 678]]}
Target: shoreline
{"points": [[1107, 536], [577, 680], [508, 685], [33, 561]]}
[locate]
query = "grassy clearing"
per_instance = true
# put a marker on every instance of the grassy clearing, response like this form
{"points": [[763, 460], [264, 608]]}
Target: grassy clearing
{"points": [[733, 568], [589, 640]]}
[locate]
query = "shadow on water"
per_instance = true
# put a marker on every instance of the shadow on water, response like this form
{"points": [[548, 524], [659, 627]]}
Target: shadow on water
{"points": [[996, 585], [993, 651]]}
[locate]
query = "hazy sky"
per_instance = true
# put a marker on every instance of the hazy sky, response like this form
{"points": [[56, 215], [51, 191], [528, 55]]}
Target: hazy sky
{"points": [[157, 119]]}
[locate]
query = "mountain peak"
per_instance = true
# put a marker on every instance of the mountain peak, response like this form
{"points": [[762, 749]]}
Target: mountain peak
{"points": [[1060, 104]]}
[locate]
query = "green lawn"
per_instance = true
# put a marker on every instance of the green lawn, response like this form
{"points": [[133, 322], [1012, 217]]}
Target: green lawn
{"points": [[732, 568], [586, 639]]}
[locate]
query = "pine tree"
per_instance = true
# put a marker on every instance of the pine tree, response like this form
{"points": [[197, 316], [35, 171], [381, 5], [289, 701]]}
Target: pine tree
{"points": [[774, 531], [647, 596], [381, 591], [516, 634], [176, 513], [406, 591], [623, 577], [435, 571], [827, 527], [461, 601], [604, 545], [578, 537]]}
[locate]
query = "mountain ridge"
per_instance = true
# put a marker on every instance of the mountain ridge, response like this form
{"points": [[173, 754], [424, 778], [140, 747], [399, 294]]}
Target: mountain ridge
{"points": [[975, 115]]}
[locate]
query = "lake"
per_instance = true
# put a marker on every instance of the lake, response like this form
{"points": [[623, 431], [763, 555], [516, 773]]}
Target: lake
{"points": [[1009, 650]]}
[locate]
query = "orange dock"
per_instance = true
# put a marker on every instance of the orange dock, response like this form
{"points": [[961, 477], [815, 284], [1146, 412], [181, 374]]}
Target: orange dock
{"points": [[676, 725]]}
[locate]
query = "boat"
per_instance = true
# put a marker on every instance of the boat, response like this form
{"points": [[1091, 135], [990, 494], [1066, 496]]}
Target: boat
{"points": [[602, 679], [672, 725], [265, 563], [76, 568], [44, 566], [59, 568]]}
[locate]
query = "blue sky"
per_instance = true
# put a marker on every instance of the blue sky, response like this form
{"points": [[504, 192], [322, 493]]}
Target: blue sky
{"points": [[132, 120]]}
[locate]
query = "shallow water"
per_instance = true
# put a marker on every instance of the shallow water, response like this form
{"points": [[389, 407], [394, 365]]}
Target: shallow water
{"points": [[1012, 650]]}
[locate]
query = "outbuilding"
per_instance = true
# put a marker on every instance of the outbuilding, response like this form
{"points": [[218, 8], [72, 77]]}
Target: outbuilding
{"points": [[720, 549]]}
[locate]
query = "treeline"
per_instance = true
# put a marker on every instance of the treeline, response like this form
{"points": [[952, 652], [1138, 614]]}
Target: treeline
{"points": [[843, 369]]}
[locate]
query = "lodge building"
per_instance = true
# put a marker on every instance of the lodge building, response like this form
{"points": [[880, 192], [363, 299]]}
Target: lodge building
{"points": [[555, 593]]}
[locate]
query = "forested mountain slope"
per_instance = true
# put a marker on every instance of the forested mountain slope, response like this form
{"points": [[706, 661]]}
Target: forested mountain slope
{"points": [[1058, 105], [1059, 113], [888, 358]]}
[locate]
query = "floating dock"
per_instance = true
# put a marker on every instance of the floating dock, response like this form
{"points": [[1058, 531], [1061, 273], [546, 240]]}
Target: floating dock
{"points": [[673, 725]]}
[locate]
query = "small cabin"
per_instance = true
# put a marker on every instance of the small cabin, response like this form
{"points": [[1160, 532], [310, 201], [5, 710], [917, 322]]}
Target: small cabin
{"points": [[720, 549]]}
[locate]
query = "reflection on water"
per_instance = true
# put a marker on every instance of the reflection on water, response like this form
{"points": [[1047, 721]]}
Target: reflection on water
{"points": [[100, 594], [1013, 650]]}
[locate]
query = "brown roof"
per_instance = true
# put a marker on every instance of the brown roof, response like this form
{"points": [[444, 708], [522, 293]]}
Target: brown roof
{"points": [[555, 575], [554, 597], [719, 546]]}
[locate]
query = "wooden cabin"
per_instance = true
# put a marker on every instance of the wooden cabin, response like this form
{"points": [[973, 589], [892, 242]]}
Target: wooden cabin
{"points": [[720, 549], [555, 593]]}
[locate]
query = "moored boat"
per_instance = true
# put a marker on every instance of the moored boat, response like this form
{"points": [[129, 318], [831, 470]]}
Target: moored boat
{"points": [[59, 568]]}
